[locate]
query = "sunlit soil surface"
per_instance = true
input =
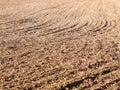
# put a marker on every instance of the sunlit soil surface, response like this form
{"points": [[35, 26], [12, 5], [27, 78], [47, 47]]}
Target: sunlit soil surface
{"points": [[59, 45]]}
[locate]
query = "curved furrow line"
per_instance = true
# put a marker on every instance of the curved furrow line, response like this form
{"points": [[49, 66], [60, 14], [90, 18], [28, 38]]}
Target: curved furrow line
{"points": [[91, 21], [66, 33], [64, 30], [25, 20], [70, 31], [99, 27], [32, 28], [92, 16], [72, 16], [37, 27], [53, 12], [8, 22], [64, 9], [56, 31], [106, 25], [58, 27], [16, 23], [83, 13], [94, 22], [39, 11], [110, 27], [48, 29], [41, 26], [113, 26], [102, 24], [53, 8], [78, 16], [70, 28], [86, 30], [7, 26]]}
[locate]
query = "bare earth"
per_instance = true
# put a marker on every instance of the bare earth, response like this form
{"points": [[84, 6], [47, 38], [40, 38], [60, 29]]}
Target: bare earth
{"points": [[59, 44]]}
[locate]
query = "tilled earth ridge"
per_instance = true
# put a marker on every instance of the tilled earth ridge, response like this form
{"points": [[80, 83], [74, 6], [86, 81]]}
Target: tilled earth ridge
{"points": [[70, 46]]}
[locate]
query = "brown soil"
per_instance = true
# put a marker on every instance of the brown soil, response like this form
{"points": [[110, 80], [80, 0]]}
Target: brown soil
{"points": [[59, 45]]}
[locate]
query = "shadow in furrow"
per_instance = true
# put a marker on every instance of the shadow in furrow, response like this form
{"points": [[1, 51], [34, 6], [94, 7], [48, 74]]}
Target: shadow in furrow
{"points": [[108, 84], [89, 77]]}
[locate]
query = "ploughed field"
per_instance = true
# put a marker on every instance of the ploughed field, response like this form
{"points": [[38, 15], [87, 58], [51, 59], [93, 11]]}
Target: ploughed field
{"points": [[60, 45]]}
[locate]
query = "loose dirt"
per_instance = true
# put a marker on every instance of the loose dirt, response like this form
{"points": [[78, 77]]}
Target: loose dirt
{"points": [[59, 45]]}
